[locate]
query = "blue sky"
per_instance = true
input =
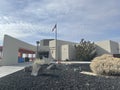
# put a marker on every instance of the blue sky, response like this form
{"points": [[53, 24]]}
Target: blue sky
{"points": [[32, 20]]}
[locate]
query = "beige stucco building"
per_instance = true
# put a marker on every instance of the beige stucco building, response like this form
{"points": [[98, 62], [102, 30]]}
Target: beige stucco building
{"points": [[65, 50], [15, 51], [107, 47]]}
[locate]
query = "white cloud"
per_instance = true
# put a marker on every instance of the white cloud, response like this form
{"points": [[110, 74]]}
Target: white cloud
{"points": [[81, 18], [20, 29]]}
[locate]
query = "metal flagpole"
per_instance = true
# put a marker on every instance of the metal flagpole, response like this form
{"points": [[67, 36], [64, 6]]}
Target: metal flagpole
{"points": [[56, 46], [56, 42]]}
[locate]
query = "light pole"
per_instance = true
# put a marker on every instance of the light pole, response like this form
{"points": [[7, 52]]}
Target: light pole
{"points": [[37, 42]]}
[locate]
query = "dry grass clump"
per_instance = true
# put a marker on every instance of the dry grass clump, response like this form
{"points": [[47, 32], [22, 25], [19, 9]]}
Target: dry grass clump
{"points": [[106, 65]]}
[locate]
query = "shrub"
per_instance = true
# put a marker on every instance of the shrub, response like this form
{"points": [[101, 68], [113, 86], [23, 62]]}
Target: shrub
{"points": [[85, 50], [106, 65]]}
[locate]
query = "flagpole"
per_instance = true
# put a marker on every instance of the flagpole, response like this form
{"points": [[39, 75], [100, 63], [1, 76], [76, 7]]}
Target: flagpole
{"points": [[56, 51], [56, 42]]}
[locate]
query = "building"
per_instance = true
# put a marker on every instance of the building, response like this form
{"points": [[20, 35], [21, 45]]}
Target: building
{"points": [[1, 54], [65, 50], [15, 51], [108, 47]]}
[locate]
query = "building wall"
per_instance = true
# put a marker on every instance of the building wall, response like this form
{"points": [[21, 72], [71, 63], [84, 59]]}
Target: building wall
{"points": [[68, 52], [114, 47], [65, 52], [103, 47], [44, 46], [52, 46], [10, 49], [1, 52], [45, 42], [45, 49], [65, 49], [72, 52], [107, 47]]}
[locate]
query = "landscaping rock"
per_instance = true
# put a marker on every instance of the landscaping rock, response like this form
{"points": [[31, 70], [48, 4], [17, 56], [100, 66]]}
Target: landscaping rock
{"points": [[64, 78]]}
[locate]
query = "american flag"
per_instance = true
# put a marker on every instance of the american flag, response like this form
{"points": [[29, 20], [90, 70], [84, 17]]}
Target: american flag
{"points": [[54, 27]]}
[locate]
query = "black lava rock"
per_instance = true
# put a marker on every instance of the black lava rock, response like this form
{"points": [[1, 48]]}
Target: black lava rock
{"points": [[59, 77]]}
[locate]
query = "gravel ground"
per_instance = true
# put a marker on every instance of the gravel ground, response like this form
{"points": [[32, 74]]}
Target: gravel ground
{"points": [[61, 77]]}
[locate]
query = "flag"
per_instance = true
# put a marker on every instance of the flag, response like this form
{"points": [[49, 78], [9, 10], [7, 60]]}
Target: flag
{"points": [[54, 27]]}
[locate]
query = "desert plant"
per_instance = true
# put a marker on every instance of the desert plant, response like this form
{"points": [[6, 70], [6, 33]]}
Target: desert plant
{"points": [[106, 65], [85, 50]]}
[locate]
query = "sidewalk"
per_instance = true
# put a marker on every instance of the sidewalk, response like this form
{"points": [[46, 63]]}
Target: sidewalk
{"points": [[74, 62], [6, 70]]}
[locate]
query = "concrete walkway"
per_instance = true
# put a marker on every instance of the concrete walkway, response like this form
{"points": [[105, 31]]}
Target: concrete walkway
{"points": [[6, 70], [75, 62]]}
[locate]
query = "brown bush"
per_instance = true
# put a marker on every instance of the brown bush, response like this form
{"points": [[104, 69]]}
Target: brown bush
{"points": [[106, 65]]}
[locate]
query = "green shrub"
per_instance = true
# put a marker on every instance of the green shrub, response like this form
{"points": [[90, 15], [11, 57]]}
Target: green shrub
{"points": [[106, 65], [85, 50]]}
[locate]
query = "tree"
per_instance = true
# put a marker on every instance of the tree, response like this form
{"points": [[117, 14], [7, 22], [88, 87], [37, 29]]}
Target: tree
{"points": [[85, 50]]}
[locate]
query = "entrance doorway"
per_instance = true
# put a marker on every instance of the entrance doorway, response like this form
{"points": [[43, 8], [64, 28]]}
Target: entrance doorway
{"points": [[25, 55], [43, 54]]}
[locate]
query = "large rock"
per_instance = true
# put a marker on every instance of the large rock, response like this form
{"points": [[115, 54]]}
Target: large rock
{"points": [[38, 64]]}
